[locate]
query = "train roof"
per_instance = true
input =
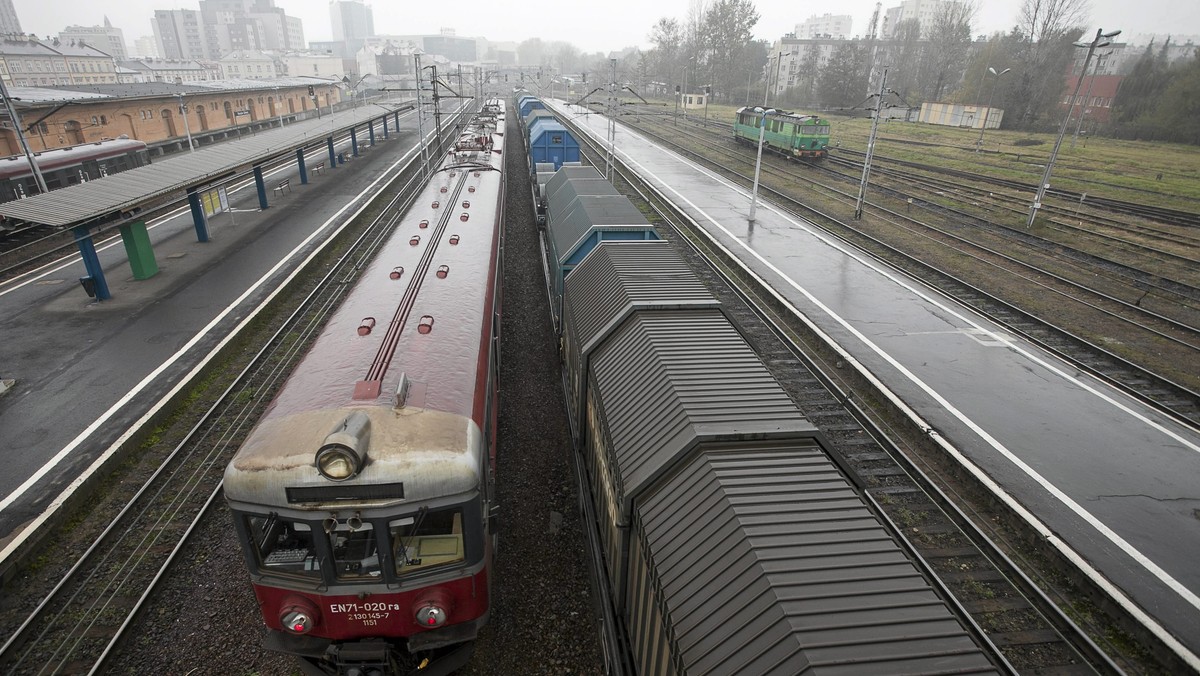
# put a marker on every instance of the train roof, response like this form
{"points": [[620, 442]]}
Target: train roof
{"points": [[421, 388], [668, 381], [17, 165], [784, 115], [575, 225], [620, 278], [767, 561]]}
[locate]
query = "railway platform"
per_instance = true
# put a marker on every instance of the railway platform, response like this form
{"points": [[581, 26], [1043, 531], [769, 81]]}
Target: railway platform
{"points": [[1110, 482], [88, 376]]}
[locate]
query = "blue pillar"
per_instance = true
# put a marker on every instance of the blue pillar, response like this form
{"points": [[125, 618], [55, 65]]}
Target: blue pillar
{"points": [[371, 130], [262, 188], [332, 156], [397, 120], [87, 249], [198, 217], [385, 133], [353, 142], [300, 163]]}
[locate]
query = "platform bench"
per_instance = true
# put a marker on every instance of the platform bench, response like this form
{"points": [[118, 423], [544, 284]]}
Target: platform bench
{"points": [[284, 185], [318, 168]]}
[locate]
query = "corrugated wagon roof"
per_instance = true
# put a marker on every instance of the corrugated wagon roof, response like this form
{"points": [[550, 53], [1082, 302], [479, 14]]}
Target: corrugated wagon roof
{"points": [[589, 213], [766, 561], [618, 279], [125, 190], [667, 381]]}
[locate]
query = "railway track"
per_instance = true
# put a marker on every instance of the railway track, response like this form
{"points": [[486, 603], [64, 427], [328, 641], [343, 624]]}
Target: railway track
{"points": [[78, 624], [1027, 631], [1156, 329]]}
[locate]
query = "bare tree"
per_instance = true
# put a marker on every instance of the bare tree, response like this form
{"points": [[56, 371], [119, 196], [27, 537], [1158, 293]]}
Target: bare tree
{"points": [[949, 43], [667, 36], [730, 26], [1049, 27]]}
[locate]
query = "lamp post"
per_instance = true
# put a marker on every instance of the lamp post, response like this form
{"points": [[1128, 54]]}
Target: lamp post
{"points": [[16, 121], [187, 128], [762, 132], [1102, 39], [279, 107], [988, 111], [1087, 95]]}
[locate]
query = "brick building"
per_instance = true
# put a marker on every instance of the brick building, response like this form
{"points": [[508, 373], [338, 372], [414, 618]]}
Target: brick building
{"points": [[150, 111]]}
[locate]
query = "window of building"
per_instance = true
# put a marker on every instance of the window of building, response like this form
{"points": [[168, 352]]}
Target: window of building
{"points": [[95, 121], [103, 119]]}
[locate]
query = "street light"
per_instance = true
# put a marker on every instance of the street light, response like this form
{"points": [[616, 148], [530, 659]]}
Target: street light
{"points": [[279, 106], [187, 128], [1087, 95], [1102, 39], [988, 111], [762, 132]]}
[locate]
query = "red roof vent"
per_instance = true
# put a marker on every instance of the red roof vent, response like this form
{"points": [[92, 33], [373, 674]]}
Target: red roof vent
{"points": [[443, 188], [466, 204], [454, 239], [397, 272], [464, 217], [423, 224], [426, 324], [415, 240], [477, 174], [436, 204], [470, 188], [442, 271], [365, 326]]}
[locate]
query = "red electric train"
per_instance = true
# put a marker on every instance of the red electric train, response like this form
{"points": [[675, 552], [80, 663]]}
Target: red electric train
{"points": [[364, 497]]}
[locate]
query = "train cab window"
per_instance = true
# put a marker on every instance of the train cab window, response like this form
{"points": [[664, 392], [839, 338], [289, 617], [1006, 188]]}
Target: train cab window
{"points": [[283, 547], [427, 539], [355, 552]]}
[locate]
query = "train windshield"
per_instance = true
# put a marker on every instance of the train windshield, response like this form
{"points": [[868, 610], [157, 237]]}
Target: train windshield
{"points": [[427, 539], [357, 550], [283, 546]]}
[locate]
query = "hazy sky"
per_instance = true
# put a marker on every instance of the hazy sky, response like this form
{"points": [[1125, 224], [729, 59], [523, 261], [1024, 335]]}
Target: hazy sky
{"points": [[591, 26]]}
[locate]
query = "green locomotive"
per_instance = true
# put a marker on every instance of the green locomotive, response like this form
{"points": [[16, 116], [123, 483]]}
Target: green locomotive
{"points": [[802, 136]]}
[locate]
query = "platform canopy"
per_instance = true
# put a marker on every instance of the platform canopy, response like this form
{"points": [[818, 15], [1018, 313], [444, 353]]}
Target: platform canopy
{"points": [[78, 204]]}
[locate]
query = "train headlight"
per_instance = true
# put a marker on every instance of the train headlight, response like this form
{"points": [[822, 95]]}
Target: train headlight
{"points": [[431, 616], [298, 615], [337, 463], [344, 453], [297, 622]]}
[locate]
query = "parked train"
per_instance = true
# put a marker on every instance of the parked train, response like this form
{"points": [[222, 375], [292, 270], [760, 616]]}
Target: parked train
{"points": [[728, 539], [802, 136], [62, 167], [364, 497]]}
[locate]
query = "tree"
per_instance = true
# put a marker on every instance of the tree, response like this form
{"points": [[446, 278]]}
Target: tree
{"points": [[949, 36], [842, 80], [1049, 27], [667, 37], [730, 25], [530, 52]]}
